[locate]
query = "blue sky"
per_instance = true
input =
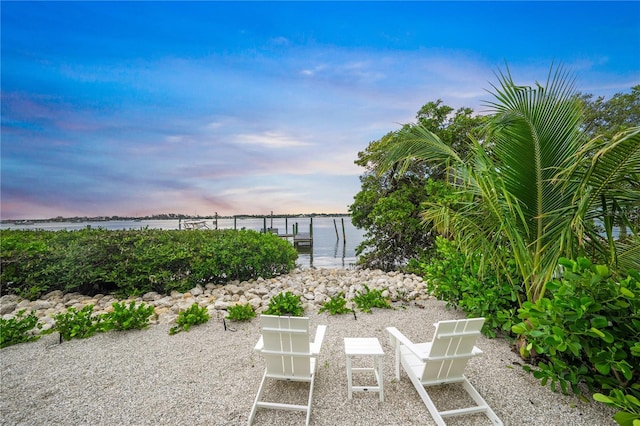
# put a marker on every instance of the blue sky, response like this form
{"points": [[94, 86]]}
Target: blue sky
{"points": [[136, 108]]}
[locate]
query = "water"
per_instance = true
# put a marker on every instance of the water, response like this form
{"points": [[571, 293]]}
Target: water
{"points": [[328, 251]]}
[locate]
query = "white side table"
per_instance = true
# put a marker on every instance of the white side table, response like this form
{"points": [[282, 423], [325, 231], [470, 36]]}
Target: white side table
{"points": [[368, 346]]}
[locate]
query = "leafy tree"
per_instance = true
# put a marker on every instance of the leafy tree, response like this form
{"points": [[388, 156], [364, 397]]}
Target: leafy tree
{"points": [[452, 128], [609, 117], [394, 229], [388, 205], [606, 118], [534, 184]]}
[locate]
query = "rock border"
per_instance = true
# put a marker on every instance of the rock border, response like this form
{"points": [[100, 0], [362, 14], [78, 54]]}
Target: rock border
{"points": [[314, 286]]}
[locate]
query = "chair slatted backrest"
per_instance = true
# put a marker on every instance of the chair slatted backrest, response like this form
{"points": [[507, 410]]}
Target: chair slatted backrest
{"points": [[286, 345], [451, 349]]}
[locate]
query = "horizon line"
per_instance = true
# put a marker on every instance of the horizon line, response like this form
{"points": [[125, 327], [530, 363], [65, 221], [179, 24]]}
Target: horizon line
{"points": [[168, 216]]}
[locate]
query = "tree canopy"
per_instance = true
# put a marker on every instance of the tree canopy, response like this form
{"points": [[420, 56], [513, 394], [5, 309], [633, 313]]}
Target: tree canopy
{"points": [[389, 203], [534, 183]]}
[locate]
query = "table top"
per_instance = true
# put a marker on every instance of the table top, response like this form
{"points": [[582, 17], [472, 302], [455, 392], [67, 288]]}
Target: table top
{"points": [[362, 346]]}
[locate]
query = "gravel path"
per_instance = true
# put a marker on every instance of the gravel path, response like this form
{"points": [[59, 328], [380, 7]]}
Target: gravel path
{"points": [[211, 376]]}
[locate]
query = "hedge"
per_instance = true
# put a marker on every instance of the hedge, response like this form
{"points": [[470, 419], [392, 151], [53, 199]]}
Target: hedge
{"points": [[133, 262]]}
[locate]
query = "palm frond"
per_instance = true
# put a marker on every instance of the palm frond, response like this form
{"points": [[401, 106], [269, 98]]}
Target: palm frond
{"points": [[421, 145], [629, 255], [612, 165], [534, 131]]}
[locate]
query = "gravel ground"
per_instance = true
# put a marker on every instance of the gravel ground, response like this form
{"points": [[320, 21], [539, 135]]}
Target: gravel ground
{"points": [[211, 376]]}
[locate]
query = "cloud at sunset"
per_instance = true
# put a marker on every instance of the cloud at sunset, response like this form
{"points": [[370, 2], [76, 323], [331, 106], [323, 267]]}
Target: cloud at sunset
{"points": [[136, 108]]}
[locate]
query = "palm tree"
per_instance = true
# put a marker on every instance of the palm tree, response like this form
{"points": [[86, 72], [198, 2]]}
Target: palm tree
{"points": [[609, 194], [533, 185]]}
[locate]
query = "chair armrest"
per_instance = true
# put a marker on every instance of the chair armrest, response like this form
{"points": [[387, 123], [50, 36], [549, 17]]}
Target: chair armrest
{"points": [[259, 345], [317, 341], [397, 338]]}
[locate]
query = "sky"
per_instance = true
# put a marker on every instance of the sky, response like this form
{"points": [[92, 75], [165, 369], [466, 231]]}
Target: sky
{"points": [[142, 108]]}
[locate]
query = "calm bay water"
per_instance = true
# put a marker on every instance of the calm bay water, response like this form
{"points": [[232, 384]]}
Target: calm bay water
{"points": [[329, 250]]}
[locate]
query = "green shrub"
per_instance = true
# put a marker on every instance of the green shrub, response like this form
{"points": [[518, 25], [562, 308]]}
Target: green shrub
{"points": [[18, 329], [134, 262], [193, 315], [627, 403], [77, 324], [367, 299], [285, 304], [23, 262], [129, 317], [451, 277], [241, 312], [335, 305], [586, 329]]}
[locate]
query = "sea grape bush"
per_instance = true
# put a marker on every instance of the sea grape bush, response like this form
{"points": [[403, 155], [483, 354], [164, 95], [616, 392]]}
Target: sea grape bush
{"points": [[134, 262], [628, 404], [193, 315], [336, 305], [129, 317], [586, 329], [19, 329], [367, 298], [588, 320], [285, 303], [364, 299], [77, 324], [241, 312], [452, 277]]}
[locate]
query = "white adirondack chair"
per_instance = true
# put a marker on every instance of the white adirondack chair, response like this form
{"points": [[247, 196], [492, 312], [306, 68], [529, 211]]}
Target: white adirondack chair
{"points": [[289, 356], [442, 361]]}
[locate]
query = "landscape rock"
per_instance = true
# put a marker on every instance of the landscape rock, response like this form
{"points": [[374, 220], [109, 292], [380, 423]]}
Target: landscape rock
{"points": [[7, 307], [151, 296], [314, 286], [220, 304]]}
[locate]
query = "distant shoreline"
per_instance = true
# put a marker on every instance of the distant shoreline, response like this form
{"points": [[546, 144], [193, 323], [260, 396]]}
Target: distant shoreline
{"points": [[169, 216]]}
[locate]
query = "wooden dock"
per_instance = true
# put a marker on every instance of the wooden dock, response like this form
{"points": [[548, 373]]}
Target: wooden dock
{"points": [[302, 239], [299, 239], [200, 224]]}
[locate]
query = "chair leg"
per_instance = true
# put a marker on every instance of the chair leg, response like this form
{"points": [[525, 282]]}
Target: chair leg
{"points": [[349, 378], [313, 379], [475, 395], [255, 403], [482, 406], [425, 397], [380, 377], [397, 360]]}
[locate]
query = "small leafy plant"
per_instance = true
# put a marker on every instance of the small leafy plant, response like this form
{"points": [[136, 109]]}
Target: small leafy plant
{"points": [[629, 404], [128, 318], [16, 330], [241, 312], [336, 305], [77, 324], [285, 304], [367, 299], [193, 315]]}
